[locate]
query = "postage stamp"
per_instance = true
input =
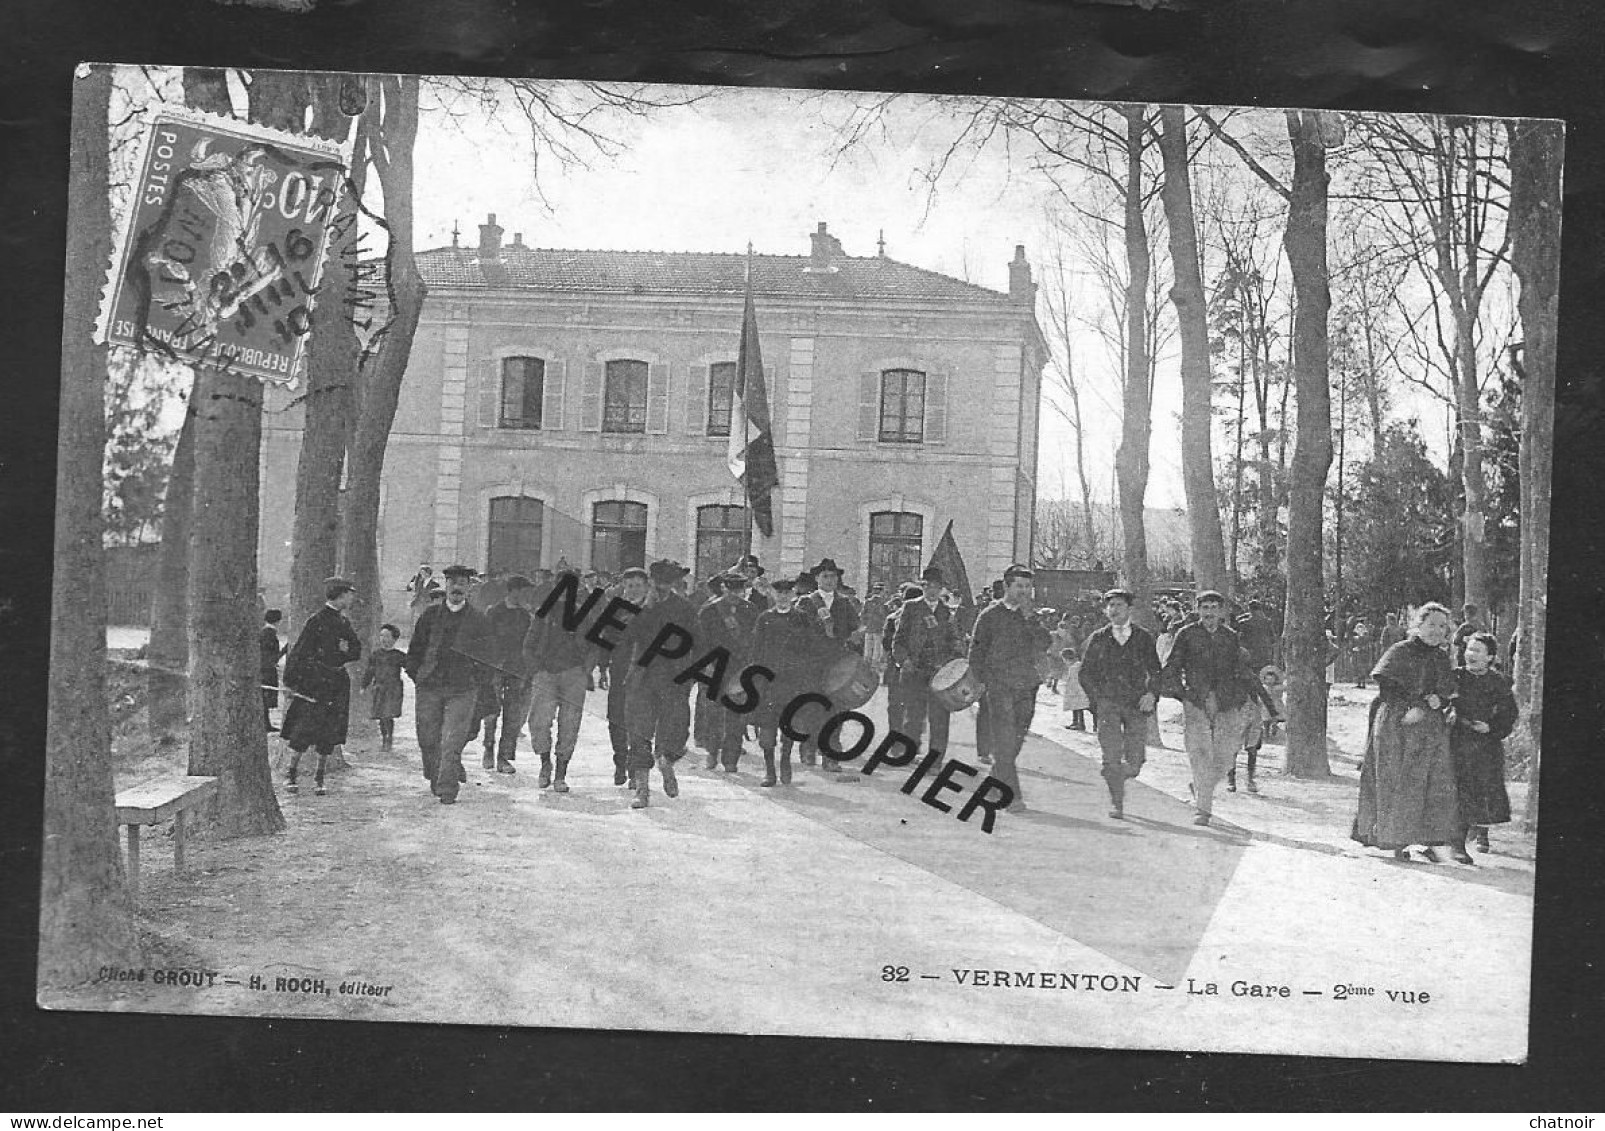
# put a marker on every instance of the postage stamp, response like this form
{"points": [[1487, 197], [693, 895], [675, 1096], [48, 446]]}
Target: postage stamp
{"points": [[222, 250]]}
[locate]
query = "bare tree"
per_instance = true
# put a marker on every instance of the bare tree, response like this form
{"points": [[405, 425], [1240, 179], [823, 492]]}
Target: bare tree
{"points": [[86, 920], [1535, 210], [1305, 242], [391, 127], [1063, 379], [1446, 181], [1187, 294]]}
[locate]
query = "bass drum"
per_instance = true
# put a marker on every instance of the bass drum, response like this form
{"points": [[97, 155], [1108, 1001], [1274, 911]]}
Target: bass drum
{"points": [[851, 682], [954, 685]]}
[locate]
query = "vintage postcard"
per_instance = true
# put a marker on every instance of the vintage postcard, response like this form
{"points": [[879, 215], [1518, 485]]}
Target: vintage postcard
{"points": [[992, 569]]}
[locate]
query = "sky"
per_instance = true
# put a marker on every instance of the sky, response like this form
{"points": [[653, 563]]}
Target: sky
{"points": [[765, 167]]}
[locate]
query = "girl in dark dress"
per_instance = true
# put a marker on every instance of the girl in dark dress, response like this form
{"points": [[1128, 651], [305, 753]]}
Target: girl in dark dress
{"points": [[1407, 782], [1484, 715], [383, 674]]}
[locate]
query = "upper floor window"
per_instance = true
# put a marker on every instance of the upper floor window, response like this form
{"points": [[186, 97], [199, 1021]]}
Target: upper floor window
{"points": [[902, 417], [721, 397], [523, 385], [624, 397]]}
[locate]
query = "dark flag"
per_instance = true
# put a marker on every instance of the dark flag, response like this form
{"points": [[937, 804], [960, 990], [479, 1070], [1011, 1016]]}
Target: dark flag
{"points": [[946, 558], [752, 443]]}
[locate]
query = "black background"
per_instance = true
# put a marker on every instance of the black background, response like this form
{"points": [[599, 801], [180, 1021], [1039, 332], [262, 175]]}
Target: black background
{"points": [[1472, 56]]}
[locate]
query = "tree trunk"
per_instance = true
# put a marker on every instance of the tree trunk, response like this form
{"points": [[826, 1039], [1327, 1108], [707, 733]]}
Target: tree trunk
{"points": [[1473, 523], [1304, 633], [1131, 460], [85, 916], [326, 407], [1187, 295], [168, 653], [227, 739], [205, 88], [381, 383], [1535, 211]]}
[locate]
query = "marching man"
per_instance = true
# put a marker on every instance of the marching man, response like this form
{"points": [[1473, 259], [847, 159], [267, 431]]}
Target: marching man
{"points": [[1120, 674], [315, 676], [1003, 656]]}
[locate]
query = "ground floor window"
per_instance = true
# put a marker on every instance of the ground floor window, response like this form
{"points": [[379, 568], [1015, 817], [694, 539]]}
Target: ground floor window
{"points": [[895, 542], [515, 534], [618, 535], [721, 539]]}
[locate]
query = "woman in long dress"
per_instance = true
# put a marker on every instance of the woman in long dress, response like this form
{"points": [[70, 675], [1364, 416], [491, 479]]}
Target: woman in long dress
{"points": [[1484, 716], [1407, 783]]}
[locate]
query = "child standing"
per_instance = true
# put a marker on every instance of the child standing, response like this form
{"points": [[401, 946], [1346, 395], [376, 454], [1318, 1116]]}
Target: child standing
{"points": [[1266, 713], [1076, 703], [383, 674]]}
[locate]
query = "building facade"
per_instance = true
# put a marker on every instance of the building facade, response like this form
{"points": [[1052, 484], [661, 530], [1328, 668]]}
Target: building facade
{"points": [[574, 407]]}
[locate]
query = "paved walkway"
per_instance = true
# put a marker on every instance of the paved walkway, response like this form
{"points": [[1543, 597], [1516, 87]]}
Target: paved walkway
{"points": [[841, 906]]}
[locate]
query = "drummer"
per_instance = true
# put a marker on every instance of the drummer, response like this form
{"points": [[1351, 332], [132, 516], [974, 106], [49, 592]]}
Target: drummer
{"points": [[927, 637], [843, 630], [784, 641], [726, 622]]}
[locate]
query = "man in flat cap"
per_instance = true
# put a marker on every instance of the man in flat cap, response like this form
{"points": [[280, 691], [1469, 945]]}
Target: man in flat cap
{"points": [[726, 622], [895, 701], [702, 711], [508, 623], [785, 639], [319, 685], [1003, 656], [926, 638], [1120, 674], [440, 660], [657, 710]]}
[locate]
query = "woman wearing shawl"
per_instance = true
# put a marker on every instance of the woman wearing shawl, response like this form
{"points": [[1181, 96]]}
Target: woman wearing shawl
{"points": [[1407, 783]]}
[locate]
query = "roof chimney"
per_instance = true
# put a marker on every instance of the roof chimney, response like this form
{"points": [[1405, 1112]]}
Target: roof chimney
{"points": [[490, 251], [490, 240], [825, 248], [1022, 291], [518, 239]]}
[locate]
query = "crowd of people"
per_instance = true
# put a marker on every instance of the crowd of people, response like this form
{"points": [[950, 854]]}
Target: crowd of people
{"points": [[491, 658]]}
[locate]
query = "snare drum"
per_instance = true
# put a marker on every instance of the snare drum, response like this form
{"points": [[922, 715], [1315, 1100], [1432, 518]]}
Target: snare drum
{"points": [[851, 682], [954, 685]]}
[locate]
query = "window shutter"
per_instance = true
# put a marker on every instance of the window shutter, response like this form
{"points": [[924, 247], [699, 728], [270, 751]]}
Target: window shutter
{"points": [[657, 397], [490, 392], [696, 401], [936, 407], [591, 398], [869, 405], [552, 394]]}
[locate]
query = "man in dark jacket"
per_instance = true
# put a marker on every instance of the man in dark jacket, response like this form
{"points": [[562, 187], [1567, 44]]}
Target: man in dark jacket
{"points": [[844, 631], [1003, 656], [893, 679], [1208, 671], [508, 622], [633, 587], [726, 622], [319, 686], [656, 709], [1120, 674], [441, 661], [784, 640], [926, 638], [559, 662]]}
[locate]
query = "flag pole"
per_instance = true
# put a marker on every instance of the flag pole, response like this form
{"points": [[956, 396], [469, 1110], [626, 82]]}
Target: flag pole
{"points": [[746, 480]]}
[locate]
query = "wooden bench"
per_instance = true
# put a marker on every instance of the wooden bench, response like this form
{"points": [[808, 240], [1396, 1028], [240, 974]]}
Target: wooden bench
{"points": [[156, 800]]}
